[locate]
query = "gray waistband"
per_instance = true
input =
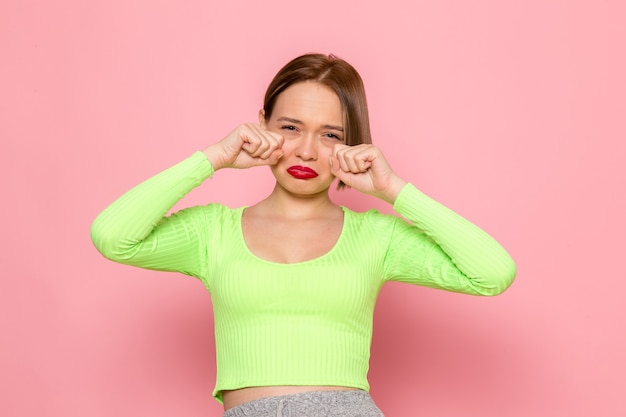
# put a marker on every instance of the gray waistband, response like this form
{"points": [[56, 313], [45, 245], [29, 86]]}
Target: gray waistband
{"points": [[309, 404]]}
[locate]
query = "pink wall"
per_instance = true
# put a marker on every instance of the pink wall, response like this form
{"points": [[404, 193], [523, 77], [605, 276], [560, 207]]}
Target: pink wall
{"points": [[510, 112]]}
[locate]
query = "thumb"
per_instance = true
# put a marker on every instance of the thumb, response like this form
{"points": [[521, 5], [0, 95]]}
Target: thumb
{"points": [[275, 157], [335, 169], [334, 165]]}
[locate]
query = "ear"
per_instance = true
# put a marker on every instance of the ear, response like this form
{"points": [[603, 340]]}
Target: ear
{"points": [[262, 118]]}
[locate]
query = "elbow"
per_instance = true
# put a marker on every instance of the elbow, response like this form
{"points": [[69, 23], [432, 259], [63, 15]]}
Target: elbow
{"points": [[100, 240], [501, 279], [109, 246]]}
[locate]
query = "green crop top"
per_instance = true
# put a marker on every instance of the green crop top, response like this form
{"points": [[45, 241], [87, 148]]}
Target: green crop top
{"points": [[307, 323]]}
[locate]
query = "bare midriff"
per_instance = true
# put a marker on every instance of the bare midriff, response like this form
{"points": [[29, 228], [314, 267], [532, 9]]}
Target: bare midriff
{"points": [[237, 397]]}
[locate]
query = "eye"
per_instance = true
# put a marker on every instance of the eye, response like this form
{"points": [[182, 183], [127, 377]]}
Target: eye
{"points": [[333, 136], [289, 127]]}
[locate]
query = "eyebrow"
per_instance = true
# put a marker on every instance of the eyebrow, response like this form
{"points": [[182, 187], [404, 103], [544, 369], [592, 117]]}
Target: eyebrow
{"points": [[299, 122]]}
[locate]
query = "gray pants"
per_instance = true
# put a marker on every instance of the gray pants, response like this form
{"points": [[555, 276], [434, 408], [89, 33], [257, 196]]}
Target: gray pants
{"points": [[310, 404]]}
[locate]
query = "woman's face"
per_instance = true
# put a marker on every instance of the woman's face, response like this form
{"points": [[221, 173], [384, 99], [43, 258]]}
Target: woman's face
{"points": [[310, 118]]}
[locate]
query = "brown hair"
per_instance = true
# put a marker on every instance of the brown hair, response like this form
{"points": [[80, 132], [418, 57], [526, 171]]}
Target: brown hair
{"points": [[339, 76]]}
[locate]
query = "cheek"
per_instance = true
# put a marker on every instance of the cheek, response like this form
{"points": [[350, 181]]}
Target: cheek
{"points": [[326, 147], [289, 144]]}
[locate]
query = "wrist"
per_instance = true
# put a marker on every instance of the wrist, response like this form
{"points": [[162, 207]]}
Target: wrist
{"points": [[212, 155], [390, 194]]}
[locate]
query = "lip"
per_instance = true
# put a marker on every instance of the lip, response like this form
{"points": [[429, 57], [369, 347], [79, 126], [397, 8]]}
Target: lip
{"points": [[302, 173]]}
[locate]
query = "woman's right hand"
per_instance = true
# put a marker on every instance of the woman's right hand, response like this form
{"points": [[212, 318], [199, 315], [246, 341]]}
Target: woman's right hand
{"points": [[249, 145]]}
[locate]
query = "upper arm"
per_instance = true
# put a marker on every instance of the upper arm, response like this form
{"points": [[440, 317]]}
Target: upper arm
{"points": [[177, 242]]}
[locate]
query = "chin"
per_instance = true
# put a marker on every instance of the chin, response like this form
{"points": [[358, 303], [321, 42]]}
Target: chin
{"points": [[303, 187]]}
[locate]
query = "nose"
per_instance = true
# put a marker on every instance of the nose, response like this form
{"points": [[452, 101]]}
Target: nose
{"points": [[307, 147]]}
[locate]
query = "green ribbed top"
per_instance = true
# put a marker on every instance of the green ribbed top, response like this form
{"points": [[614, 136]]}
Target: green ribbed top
{"points": [[307, 323]]}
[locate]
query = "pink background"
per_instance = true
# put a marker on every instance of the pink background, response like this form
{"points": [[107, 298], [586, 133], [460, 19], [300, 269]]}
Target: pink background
{"points": [[510, 112]]}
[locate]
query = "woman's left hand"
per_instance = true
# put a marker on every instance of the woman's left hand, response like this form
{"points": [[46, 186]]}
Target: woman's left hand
{"points": [[364, 168]]}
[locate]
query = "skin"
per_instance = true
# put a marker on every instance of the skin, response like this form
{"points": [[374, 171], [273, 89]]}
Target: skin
{"points": [[298, 221]]}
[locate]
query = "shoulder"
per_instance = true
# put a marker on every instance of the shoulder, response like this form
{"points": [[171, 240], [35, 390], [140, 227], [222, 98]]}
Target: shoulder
{"points": [[213, 212], [372, 221], [370, 216]]}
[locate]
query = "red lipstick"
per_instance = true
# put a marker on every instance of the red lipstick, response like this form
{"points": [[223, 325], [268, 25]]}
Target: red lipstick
{"points": [[301, 173]]}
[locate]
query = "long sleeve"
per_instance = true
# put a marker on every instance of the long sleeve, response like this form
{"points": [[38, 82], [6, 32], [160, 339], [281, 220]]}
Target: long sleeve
{"points": [[134, 230], [443, 250]]}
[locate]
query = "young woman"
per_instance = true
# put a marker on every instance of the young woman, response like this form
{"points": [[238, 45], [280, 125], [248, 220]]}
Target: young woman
{"points": [[294, 278]]}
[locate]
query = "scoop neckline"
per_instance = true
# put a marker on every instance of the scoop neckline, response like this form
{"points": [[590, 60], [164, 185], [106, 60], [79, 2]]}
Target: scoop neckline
{"points": [[244, 244]]}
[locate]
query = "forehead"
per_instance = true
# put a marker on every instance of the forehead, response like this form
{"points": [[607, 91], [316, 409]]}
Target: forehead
{"points": [[309, 100]]}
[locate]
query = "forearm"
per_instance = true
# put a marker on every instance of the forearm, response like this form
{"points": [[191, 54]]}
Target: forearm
{"points": [[478, 256], [132, 217]]}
